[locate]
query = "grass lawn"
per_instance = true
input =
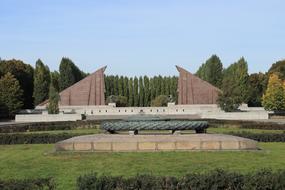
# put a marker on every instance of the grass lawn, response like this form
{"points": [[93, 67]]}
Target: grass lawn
{"points": [[31, 161]]}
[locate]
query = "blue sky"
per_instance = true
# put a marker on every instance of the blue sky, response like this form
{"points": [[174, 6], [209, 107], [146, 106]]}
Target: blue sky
{"points": [[146, 37]]}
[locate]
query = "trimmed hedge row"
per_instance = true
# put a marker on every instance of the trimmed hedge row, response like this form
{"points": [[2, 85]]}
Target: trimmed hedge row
{"points": [[218, 180], [34, 138], [47, 126], [261, 137], [266, 125], [28, 184], [50, 138]]}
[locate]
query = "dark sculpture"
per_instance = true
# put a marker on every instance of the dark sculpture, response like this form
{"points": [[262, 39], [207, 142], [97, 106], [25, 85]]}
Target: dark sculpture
{"points": [[154, 123]]}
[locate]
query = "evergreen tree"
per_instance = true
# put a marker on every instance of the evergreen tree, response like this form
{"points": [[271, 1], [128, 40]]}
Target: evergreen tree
{"points": [[212, 71], [146, 91], [53, 101], [131, 92], [11, 95], [141, 92], [41, 82], [107, 86], [69, 73], [274, 97], [136, 93]]}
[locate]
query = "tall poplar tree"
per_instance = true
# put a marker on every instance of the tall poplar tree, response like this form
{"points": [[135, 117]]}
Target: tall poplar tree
{"points": [[141, 92], [126, 87], [69, 73], [212, 71], [136, 93], [131, 92], [121, 86], [146, 91], [41, 82]]}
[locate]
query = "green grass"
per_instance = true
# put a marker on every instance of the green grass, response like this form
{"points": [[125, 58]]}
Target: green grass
{"points": [[31, 161]]}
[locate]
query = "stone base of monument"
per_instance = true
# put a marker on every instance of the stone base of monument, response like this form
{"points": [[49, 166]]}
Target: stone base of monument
{"points": [[151, 143]]}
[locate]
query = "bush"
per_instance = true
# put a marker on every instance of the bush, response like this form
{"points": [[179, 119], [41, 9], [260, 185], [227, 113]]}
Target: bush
{"points": [[28, 184], [34, 138], [262, 137], [47, 126], [217, 179], [160, 101], [120, 101]]}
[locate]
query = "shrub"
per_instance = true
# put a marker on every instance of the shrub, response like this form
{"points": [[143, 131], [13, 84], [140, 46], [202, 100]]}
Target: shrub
{"points": [[217, 179], [28, 184]]}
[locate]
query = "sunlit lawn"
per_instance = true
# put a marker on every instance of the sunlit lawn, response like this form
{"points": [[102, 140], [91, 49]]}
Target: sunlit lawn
{"points": [[32, 161]]}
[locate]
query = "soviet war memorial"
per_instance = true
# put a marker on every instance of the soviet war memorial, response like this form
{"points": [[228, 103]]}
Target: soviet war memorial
{"points": [[162, 95]]}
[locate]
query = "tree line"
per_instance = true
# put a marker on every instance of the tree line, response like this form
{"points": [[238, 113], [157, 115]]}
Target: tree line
{"points": [[23, 87]]}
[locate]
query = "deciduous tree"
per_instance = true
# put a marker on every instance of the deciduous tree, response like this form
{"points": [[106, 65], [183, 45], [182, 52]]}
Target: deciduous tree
{"points": [[11, 95]]}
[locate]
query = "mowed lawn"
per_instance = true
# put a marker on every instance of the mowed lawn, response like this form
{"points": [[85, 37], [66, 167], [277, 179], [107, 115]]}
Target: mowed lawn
{"points": [[32, 161]]}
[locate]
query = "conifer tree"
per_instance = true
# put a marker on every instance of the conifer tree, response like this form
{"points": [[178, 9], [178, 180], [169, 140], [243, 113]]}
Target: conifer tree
{"points": [[41, 82], [116, 85]]}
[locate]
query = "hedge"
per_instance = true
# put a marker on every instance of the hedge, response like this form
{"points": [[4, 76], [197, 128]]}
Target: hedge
{"points": [[47, 126], [217, 180], [28, 184], [265, 125], [261, 137], [34, 138]]}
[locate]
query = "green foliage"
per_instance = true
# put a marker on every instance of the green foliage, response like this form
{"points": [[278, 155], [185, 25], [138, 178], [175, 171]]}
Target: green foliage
{"points": [[54, 76], [121, 86], [41, 82], [28, 184], [278, 68], [141, 92], [53, 101], [235, 86], [10, 95], [257, 83], [212, 71], [274, 97], [136, 92], [121, 101], [146, 91], [131, 92], [126, 87], [69, 73], [160, 101], [264, 179], [24, 74]]}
